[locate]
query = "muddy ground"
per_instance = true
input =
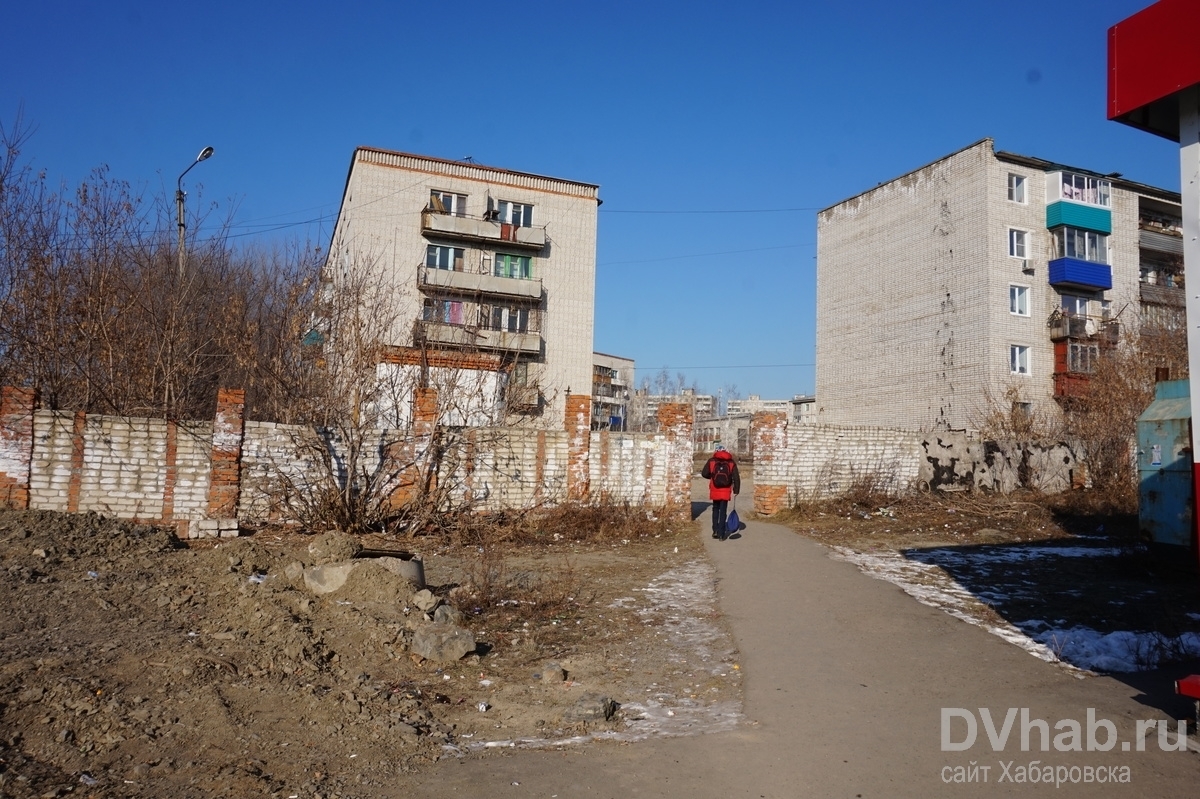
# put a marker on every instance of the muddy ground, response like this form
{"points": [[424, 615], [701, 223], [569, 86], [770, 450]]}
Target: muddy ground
{"points": [[132, 665]]}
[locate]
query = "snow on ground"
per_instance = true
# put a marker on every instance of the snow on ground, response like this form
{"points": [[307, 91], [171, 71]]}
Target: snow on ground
{"points": [[922, 577]]}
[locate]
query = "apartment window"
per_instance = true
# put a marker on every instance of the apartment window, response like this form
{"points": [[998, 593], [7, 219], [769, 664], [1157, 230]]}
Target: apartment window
{"points": [[438, 256], [1083, 357], [448, 311], [444, 202], [518, 214], [1086, 245], [1086, 189], [1016, 188], [1018, 359], [519, 266], [1016, 243], [504, 318], [1018, 300]]}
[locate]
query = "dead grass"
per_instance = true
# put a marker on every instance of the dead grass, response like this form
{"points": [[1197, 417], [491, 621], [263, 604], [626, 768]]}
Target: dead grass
{"points": [[594, 523]]}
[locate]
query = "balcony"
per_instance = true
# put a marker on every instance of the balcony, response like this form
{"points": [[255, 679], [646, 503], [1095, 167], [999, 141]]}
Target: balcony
{"points": [[1064, 326], [477, 338], [1073, 214], [1075, 273], [523, 398], [1071, 385], [472, 283], [468, 228]]}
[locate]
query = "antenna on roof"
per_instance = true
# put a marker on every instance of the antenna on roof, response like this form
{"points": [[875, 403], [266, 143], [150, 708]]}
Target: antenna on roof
{"points": [[469, 160]]}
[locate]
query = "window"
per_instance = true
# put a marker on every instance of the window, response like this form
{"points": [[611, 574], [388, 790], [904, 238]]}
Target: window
{"points": [[447, 311], [438, 256], [517, 214], [1083, 357], [444, 202], [519, 266], [1085, 189], [1018, 300], [1016, 188], [1016, 243], [1018, 359], [504, 318], [1070, 242], [1074, 305]]}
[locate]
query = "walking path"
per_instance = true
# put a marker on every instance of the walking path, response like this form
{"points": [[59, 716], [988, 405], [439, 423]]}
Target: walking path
{"points": [[845, 681]]}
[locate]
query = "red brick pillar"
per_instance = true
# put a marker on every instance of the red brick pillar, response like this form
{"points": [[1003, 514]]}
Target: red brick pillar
{"points": [[78, 429], [16, 445], [768, 435], [578, 424], [229, 428], [408, 455], [677, 421]]}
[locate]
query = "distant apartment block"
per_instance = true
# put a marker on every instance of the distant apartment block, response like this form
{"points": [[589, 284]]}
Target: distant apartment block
{"points": [[644, 405], [483, 271], [612, 384], [985, 278], [754, 403]]}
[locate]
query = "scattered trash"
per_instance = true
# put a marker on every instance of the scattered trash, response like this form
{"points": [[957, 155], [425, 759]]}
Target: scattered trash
{"points": [[483, 707], [258, 578], [88, 779], [93, 575], [485, 683]]}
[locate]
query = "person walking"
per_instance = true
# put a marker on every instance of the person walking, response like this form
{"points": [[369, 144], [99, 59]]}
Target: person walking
{"points": [[724, 483]]}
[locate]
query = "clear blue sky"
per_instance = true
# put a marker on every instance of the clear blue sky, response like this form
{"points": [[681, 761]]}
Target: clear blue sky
{"points": [[715, 130]]}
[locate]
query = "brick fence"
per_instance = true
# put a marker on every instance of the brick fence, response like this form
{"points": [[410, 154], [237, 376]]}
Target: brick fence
{"points": [[795, 462], [212, 478]]}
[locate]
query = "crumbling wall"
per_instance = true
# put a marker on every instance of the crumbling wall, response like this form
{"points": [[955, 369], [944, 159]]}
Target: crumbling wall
{"points": [[806, 462]]}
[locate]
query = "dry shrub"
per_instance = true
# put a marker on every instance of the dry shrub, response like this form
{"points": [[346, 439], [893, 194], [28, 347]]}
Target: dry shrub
{"points": [[501, 592]]}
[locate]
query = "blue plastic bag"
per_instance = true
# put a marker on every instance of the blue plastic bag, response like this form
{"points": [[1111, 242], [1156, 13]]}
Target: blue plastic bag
{"points": [[732, 522]]}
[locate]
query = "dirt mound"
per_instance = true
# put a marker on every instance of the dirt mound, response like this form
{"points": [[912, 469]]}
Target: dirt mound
{"points": [[86, 535], [134, 666]]}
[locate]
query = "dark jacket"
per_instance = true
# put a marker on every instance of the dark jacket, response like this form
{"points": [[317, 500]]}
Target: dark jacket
{"points": [[707, 473]]}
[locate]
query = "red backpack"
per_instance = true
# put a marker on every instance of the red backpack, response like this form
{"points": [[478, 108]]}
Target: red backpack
{"points": [[722, 473]]}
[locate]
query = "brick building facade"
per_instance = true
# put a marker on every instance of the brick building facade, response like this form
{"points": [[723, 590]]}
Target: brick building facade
{"points": [[983, 279], [490, 264]]}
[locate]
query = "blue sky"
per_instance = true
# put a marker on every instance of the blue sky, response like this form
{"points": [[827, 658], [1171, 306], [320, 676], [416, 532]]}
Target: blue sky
{"points": [[715, 130]]}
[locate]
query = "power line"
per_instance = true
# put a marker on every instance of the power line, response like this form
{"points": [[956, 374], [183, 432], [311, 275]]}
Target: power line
{"points": [[730, 366], [703, 255], [726, 211]]}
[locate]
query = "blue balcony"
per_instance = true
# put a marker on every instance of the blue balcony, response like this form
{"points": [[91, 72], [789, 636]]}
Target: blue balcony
{"points": [[1074, 273], [1086, 217]]}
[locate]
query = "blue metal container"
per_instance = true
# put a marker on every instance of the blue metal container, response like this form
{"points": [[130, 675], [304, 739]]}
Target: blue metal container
{"points": [[1165, 506]]}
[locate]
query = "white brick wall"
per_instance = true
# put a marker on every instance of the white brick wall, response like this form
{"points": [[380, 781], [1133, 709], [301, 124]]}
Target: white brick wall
{"points": [[50, 468]]}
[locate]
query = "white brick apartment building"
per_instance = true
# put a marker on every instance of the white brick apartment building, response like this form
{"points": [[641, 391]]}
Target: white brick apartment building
{"points": [[489, 272], [982, 276], [612, 387]]}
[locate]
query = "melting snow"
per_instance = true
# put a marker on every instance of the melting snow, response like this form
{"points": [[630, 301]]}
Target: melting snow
{"points": [[1077, 647]]}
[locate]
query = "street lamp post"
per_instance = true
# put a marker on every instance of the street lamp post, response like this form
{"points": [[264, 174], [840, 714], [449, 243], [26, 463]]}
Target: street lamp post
{"points": [[179, 195]]}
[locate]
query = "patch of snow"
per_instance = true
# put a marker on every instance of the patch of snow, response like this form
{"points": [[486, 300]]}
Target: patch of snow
{"points": [[1077, 648]]}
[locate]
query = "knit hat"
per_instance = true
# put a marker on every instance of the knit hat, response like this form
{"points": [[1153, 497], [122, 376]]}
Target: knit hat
{"points": [[720, 448]]}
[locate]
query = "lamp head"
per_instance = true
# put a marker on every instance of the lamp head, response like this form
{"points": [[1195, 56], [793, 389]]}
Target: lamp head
{"points": [[205, 153]]}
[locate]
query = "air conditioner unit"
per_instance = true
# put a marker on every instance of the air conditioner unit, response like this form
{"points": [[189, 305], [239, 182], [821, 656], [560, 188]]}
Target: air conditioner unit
{"points": [[1025, 267]]}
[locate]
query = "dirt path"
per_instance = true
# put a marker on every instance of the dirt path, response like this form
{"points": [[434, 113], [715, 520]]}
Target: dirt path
{"points": [[845, 681]]}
